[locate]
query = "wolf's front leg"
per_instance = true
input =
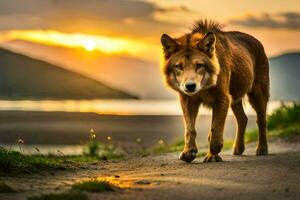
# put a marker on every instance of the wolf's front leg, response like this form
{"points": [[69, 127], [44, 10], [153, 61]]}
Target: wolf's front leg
{"points": [[190, 108], [215, 137]]}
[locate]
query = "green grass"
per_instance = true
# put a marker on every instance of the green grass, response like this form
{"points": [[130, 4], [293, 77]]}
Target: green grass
{"points": [[284, 133], [93, 186], [201, 153], [164, 148], [107, 154], [228, 144], [284, 117], [283, 123], [12, 162], [176, 147], [60, 196], [4, 188], [76, 192], [251, 135], [179, 145], [288, 132], [104, 151]]}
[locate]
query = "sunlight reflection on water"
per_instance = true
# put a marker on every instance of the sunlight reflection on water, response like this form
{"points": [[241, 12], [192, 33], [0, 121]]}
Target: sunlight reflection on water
{"points": [[117, 107]]}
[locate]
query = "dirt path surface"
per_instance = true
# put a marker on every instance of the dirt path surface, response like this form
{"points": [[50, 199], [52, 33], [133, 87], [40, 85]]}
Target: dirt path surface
{"points": [[276, 176]]}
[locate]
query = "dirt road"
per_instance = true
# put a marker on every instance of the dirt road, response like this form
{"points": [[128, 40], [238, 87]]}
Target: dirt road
{"points": [[276, 176]]}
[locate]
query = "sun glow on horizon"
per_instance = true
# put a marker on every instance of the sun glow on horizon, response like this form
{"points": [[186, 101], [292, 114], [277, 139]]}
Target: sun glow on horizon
{"points": [[89, 45], [88, 42]]}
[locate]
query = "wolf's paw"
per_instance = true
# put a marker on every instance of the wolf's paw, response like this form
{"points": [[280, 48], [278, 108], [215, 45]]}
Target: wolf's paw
{"points": [[188, 156], [238, 149], [262, 150], [210, 157]]}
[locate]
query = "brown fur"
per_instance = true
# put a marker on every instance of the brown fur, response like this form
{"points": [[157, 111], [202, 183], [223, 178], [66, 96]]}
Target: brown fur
{"points": [[223, 67]]}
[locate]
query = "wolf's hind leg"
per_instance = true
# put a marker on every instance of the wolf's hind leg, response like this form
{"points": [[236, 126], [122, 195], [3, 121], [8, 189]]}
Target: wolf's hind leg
{"points": [[190, 110], [241, 121], [258, 99]]}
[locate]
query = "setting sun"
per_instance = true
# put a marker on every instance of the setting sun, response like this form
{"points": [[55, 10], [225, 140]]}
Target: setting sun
{"points": [[106, 44], [89, 45]]}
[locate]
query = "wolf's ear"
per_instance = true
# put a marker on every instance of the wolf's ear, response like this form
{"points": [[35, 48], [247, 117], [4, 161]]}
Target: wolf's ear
{"points": [[170, 45], [208, 43]]}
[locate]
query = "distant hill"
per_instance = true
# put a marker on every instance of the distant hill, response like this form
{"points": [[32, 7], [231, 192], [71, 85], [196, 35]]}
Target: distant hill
{"points": [[23, 77], [127, 73], [285, 76]]}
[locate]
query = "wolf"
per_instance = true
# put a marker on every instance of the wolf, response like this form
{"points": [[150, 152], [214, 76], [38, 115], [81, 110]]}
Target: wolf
{"points": [[216, 68]]}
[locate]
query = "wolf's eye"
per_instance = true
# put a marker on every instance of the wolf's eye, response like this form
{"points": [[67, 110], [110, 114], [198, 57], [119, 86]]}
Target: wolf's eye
{"points": [[179, 67], [200, 65]]}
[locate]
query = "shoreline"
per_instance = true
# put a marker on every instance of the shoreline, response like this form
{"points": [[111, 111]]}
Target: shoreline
{"points": [[73, 128]]}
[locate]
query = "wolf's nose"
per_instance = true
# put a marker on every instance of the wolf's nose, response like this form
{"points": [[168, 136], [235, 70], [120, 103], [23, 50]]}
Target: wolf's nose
{"points": [[190, 86]]}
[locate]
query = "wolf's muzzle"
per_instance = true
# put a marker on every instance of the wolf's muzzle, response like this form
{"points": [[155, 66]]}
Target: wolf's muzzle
{"points": [[190, 86]]}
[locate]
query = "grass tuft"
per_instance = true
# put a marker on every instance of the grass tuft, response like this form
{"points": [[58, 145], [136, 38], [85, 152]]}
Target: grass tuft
{"points": [[13, 162], [251, 135], [201, 153], [164, 148], [179, 145], [60, 196], [228, 144], [100, 150], [284, 117], [283, 123], [93, 186]]}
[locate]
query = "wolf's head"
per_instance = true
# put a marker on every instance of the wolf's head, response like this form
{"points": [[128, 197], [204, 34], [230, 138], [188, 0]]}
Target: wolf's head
{"points": [[190, 63]]}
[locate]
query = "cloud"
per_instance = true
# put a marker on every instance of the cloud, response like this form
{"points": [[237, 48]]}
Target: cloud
{"points": [[113, 17], [287, 20], [180, 8], [111, 9]]}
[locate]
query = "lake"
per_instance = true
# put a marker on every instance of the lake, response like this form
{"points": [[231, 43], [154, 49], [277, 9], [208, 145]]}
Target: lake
{"points": [[52, 125]]}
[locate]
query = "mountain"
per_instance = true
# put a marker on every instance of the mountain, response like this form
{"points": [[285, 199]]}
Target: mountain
{"points": [[131, 74], [284, 75], [24, 77]]}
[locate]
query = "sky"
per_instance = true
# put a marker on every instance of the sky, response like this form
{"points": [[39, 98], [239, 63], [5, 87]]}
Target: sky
{"points": [[133, 27]]}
